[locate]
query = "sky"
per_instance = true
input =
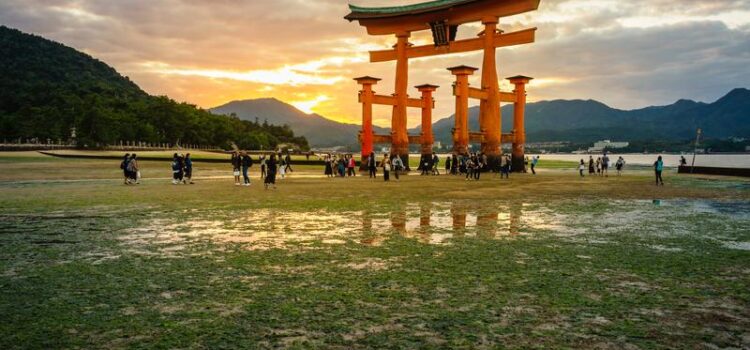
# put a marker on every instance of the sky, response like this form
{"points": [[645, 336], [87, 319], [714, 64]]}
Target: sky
{"points": [[627, 54]]}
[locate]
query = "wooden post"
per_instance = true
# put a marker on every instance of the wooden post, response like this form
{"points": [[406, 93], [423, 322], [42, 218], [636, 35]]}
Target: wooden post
{"points": [[400, 137], [365, 97], [490, 120], [461, 91], [519, 130], [428, 103]]}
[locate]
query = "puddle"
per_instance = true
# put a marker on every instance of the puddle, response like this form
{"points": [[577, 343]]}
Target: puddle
{"points": [[586, 222]]}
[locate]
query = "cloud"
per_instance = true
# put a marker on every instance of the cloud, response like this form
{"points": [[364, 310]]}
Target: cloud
{"points": [[625, 53]]}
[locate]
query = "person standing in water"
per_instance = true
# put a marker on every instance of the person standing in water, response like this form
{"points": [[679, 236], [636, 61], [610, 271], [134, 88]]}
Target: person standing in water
{"points": [[270, 172], [448, 165], [658, 168]]}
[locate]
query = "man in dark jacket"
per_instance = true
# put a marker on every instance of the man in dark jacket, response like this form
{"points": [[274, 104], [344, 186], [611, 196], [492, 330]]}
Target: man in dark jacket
{"points": [[247, 162]]}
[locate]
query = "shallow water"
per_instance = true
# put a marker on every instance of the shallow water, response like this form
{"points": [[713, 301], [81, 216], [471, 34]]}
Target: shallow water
{"points": [[438, 223]]}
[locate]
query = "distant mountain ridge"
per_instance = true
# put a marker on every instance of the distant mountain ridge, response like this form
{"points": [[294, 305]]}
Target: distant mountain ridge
{"points": [[555, 120], [320, 131]]}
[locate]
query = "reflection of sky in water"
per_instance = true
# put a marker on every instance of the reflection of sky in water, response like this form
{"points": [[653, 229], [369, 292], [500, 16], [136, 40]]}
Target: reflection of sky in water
{"points": [[430, 223]]}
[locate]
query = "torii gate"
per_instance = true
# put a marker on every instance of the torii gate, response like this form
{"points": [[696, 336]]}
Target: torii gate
{"points": [[443, 17]]}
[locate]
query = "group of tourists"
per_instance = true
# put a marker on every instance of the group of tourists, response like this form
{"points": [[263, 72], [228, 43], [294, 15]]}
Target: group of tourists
{"points": [[269, 168], [182, 169], [600, 166], [470, 165], [131, 172], [339, 166]]}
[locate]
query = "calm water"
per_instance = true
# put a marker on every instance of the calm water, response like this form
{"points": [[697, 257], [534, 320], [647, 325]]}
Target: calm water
{"points": [[670, 160]]}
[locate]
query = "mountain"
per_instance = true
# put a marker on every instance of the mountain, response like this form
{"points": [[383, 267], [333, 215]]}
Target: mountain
{"points": [[319, 131], [579, 121], [589, 120], [47, 89]]}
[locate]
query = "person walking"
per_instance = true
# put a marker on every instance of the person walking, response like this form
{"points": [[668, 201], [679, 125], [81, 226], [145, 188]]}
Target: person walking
{"points": [[236, 165], [372, 165], [270, 172], [534, 160], [469, 168], [598, 166], [189, 169], [592, 170], [581, 167], [247, 162], [181, 160], [448, 165], [386, 164], [133, 170], [282, 166], [605, 165], [262, 167], [124, 167], [505, 167], [478, 167], [328, 169], [176, 169], [525, 164], [658, 168], [398, 165], [435, 164], [288, 162], [351, 165], [619, 165]]}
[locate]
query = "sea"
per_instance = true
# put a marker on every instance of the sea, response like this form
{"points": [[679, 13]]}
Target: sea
{"points": [[737, 160]]}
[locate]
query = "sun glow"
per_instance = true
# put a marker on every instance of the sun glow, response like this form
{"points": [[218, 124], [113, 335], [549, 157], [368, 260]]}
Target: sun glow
{"points": [[307, 106]]}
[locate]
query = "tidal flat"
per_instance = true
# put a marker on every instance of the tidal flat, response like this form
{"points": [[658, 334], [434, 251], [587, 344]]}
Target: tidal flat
{"points": [[545, 261]]}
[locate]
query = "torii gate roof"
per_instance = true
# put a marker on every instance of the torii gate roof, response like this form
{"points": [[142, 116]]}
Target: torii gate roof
{"points": [[359, 12], [416, 17]]}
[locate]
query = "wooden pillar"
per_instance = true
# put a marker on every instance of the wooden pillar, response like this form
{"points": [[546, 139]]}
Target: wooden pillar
{"points": [[428, 103], [490, 120], [519, 129], [365, 98], [400, 137], [461, 91]]}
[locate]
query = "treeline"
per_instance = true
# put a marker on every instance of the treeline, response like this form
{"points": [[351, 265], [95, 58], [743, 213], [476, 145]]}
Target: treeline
{"points": [[47, 89]]}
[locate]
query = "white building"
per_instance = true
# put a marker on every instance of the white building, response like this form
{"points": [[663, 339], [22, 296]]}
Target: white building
{"points": [[599, 146]]}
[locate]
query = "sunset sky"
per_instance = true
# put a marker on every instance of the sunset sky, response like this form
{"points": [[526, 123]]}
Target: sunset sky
{"points": [[627, 54]]}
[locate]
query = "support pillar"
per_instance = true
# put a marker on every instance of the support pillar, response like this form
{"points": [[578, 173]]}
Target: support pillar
{"points": [[490, 119], [461, 91], [400, 137], [519, 129], [365, 98], [428, 103]]}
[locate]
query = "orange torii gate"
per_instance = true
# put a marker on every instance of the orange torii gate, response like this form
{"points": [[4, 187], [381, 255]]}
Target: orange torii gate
{"points": [[443, 17]]}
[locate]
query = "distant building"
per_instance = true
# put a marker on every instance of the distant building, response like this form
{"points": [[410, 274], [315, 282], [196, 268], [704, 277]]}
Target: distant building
{"points": [[600, 146]]}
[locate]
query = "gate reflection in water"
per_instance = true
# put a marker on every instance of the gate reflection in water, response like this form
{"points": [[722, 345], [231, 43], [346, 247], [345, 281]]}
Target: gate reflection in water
{"points": [[433, 222]]}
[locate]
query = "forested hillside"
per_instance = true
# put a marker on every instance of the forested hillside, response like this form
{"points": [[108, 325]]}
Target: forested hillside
{"points": [[47, 89]]}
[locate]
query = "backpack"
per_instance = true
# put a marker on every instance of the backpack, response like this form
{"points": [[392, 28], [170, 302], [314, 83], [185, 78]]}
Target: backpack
{"points": [[124, 164]]}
